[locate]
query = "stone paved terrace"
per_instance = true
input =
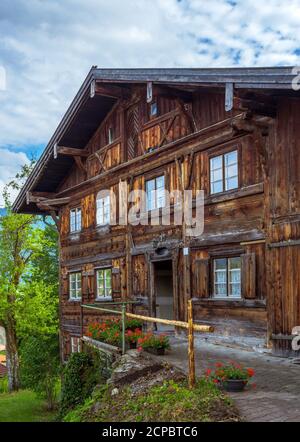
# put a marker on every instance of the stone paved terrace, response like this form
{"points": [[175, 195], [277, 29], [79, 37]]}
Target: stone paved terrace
{"points": [[276, 397]]}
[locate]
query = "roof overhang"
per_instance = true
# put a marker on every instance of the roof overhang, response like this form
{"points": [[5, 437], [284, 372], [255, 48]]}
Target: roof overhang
{"points": [[88, 109]]}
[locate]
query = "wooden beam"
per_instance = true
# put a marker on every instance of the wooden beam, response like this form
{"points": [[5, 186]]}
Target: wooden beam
{"points": [[164, 137], [33, 197], [186, 109], [93, 89], [149, 91], [128, 246], [228, 97], [72, 152], [288, 243], [101, 158], [38, 198], [259, 107], [80, 164], [243, 126], [47, 208], [111, 91], [55, 219], [191, 350], [182, 324], [191, 169], [56, 201]]}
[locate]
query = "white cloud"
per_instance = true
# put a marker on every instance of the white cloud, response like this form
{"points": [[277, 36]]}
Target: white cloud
{"points": [[10, 164], [47, 47]]}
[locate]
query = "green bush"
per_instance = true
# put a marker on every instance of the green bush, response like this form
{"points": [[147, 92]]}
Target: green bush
{"points": [[81, 374], [4, 385], [40, 366]]}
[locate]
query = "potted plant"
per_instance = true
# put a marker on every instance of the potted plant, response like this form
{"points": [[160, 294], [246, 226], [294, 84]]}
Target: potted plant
{"points": [[132, 337], [155, 344], [230, 376]]}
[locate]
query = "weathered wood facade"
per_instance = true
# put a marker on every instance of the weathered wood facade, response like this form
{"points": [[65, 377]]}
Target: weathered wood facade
{"points": [[133, 126]]}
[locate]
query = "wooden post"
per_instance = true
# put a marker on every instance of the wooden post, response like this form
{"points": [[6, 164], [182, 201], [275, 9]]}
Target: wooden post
{"points": [[191, 352], [123, 327], [81, 321]]}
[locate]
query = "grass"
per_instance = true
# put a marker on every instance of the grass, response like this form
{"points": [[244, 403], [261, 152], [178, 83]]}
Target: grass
{"points": [[169, 402], [23, 406]]}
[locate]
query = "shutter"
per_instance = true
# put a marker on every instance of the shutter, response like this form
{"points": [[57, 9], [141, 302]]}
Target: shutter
{"points": [[132, 131], [116, 280], [88, 210], [201, 278], [88, 281], [64, 281], [248, 276], [65, 219]]}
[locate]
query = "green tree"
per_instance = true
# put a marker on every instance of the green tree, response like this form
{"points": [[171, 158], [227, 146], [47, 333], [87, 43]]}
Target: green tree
{"points": [[27, 251], [40, 366]]}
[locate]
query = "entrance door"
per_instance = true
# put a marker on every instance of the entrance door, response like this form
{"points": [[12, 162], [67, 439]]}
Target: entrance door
{"points": [[163, 275]]}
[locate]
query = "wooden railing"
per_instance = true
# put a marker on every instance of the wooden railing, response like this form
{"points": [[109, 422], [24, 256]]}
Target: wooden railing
{"points": [[189, 325]]}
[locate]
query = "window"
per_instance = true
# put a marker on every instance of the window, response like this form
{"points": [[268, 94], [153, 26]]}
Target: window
{"points": [[75, 345], [75, 219], [104, 283], [103, 210], [153, 109], [110, 135], [227, 277], [75, 286], [224, 172], [155, 190]]}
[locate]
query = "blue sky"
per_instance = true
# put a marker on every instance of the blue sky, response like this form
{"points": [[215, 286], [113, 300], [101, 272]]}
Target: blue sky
{"points": [[48, 46]]}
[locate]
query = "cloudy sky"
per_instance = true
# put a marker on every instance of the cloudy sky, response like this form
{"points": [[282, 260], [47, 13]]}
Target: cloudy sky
{"points": [[48, 46]]}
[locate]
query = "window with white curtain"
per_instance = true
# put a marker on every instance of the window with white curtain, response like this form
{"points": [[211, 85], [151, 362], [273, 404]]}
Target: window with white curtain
{"points": [[103, 210], [224, 172], [155, 191], [75, 344], [227, 277], [75, 286], [75, 220], [104, 289]]}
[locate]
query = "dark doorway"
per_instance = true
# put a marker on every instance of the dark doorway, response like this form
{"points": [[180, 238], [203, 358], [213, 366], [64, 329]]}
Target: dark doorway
{"points": [[163, 275]]}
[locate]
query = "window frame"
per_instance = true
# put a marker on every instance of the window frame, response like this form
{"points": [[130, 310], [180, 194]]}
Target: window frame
{"points": [[151, 115], [71, 297], [76, 210], [213, 291], [103, 297], [99, 224], [222, 153], [76, 347], [155, 178]]}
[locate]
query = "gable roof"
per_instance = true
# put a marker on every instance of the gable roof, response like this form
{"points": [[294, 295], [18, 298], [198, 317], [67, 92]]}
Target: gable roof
{"points": [[86, 112]]}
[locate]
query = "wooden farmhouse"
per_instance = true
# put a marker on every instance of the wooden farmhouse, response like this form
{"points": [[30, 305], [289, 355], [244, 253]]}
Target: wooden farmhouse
{"points": [[232, 133]]}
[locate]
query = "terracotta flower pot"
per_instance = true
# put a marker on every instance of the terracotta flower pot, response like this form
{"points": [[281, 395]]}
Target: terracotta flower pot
{"points": [[155, 351], [234, 385]]}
